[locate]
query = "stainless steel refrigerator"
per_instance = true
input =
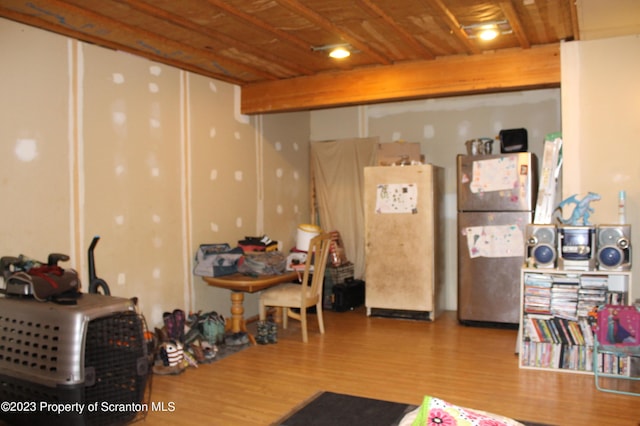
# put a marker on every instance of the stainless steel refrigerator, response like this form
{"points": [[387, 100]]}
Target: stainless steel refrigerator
{"points": [[496, 198]]}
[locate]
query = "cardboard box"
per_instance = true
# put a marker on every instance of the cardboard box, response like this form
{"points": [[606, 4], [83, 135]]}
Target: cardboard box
{"points": [[398, 153]]}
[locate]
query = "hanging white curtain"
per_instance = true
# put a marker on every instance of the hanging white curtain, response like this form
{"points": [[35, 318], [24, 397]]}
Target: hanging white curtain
{"points": [[337, 169]]}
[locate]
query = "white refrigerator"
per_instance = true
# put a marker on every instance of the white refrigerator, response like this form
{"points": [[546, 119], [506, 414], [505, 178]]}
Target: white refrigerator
{"points": [[404, 234], [496, 197]]}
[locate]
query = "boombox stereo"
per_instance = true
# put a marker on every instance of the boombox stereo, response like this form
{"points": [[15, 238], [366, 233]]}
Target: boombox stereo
{"points": [[541, 246], [614, 247], [577, 248]]}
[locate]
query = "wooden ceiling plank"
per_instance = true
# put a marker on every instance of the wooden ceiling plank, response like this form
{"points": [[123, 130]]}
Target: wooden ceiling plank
{"points": [[300, 47], [544, 24], [515, 23], [454, 25], [294, 68], [404, 34], [142, 42], [99, 41], [325, 23], [507, 70], [200, 35], [282, 35]]}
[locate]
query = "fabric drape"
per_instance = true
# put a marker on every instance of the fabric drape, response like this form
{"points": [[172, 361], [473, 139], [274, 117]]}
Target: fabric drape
{"points": [[337, 168]]}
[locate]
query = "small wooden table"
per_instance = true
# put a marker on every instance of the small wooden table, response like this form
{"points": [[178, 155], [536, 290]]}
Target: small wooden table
{"points": [[239, 284]]}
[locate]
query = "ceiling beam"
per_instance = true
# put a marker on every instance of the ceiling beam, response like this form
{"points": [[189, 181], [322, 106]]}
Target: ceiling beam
{"points": [[500, 71], [573, 9], [515, 23]]}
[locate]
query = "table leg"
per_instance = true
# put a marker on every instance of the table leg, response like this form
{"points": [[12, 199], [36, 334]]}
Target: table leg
{"points": [[237, 322], [237, 311]]}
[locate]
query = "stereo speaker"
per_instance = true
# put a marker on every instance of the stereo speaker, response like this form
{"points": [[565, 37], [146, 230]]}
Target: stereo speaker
{"points": [[614, 247], [541, 246]]}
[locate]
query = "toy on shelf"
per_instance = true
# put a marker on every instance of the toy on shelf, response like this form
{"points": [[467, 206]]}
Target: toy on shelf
{"points": [[581, 210]]}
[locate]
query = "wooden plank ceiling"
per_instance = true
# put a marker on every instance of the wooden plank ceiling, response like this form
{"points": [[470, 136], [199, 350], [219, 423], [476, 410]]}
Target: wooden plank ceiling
{"points": [[400, 49]]}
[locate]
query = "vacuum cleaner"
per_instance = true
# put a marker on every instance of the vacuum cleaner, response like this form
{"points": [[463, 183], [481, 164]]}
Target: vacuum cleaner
{"points": [[96, 285]]}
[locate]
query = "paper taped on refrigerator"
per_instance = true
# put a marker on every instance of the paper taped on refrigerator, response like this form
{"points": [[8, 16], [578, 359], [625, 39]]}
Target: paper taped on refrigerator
{"points": [[496, 174], [397, 198], [495, 241]]}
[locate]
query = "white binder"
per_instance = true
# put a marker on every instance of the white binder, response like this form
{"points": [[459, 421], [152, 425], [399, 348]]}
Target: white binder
{"points": [[551, 165]]}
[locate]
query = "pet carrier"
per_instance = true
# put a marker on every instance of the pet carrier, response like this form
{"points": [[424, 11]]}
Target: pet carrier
{"points": [[76, 364]]}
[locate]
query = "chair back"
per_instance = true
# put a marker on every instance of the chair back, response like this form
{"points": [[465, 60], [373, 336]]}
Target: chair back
{"points": [[317, 258]]}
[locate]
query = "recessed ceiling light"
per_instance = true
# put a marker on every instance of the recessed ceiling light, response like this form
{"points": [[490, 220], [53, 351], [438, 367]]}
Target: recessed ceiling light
{"points": [[337, 51], [487, 30]]}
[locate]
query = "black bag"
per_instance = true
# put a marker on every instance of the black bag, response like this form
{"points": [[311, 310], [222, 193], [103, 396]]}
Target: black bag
{"points": [[513, 140], [348, 295]]}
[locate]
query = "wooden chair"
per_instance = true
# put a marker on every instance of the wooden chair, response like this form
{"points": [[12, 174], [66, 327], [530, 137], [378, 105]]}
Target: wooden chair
{"points": [[296, 296]]}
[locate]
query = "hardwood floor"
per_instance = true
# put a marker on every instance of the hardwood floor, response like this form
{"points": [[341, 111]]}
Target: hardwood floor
{"points": [[390, 359]]}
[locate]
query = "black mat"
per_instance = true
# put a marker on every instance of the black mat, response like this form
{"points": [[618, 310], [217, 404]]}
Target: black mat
{"points": [[334, 409]]}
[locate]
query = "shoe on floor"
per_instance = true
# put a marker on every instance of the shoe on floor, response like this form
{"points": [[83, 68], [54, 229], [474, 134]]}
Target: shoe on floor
{"points": [[237, 339]]}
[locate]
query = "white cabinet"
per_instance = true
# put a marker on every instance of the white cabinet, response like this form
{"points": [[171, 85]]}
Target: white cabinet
{"points": [[556, 321], [404, 235]]}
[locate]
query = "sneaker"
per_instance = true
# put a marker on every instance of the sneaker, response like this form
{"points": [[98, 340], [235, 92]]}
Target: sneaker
{"points": [[196, 350], [192, 335], [210, 330], [194, 319], [221, 324], [263, 333], [237, 339], [210, 351], [272, 332]]}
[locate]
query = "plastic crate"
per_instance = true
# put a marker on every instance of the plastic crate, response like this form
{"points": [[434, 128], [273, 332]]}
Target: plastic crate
{"points": [[339, 274], [89, 354], [334, 275]]}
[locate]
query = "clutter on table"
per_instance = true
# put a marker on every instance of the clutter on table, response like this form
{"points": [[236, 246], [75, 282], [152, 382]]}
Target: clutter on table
{"points": [[257, 244], [216, 260], [252, 256]]}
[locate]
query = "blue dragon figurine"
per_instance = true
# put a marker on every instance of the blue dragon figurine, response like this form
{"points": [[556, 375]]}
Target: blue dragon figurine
{"points": [[581, 211]]}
